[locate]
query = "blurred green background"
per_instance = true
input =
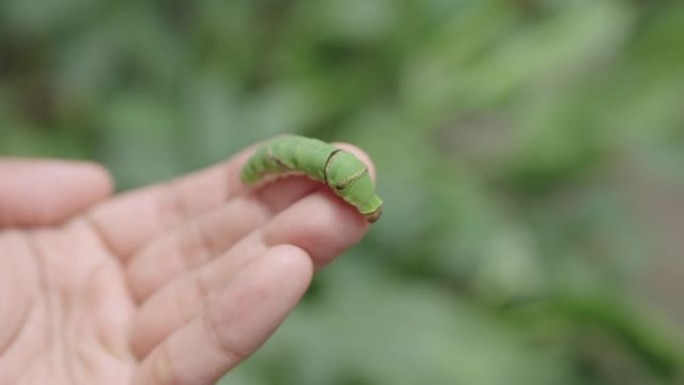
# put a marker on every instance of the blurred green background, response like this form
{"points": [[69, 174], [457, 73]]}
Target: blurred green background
{"points": [[529, 153]]}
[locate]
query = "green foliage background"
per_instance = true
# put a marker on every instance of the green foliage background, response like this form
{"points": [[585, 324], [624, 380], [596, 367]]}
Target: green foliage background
{"points": [[508, 252]]}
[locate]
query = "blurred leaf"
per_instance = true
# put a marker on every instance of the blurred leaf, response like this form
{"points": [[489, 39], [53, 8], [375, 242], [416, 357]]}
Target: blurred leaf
{"points": [[510, 249]]}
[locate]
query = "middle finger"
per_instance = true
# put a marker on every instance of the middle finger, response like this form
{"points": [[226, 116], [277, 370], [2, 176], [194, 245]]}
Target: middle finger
{"points": [[202, 239]]}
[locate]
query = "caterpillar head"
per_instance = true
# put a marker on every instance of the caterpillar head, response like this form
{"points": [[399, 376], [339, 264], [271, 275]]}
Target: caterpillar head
{"points": [[349, 178]]}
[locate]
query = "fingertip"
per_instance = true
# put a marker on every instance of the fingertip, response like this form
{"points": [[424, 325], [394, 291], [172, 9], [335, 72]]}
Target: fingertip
{"points": [[330, 226], [99, 176], [47, 191], [236, 321], [293, 260]]}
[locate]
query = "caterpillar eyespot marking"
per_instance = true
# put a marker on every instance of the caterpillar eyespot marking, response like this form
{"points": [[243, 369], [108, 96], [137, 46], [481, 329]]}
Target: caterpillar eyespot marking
{"points": [[343, 172]]}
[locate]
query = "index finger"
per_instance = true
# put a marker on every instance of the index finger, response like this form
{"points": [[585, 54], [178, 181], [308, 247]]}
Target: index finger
{"points": [[130, 220]]}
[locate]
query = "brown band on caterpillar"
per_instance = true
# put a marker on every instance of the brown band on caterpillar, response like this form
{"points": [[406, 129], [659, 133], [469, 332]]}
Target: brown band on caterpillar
{"points": [[328, 162], [277, 160], [374, 216], [353, 178]]}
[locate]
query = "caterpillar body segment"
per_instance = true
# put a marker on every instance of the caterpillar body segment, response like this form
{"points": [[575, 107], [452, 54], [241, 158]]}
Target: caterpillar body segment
{"points": [[346, 175]]}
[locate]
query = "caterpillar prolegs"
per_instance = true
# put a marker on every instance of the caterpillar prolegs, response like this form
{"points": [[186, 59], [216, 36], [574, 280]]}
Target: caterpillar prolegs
{"points": [[346, 175]]}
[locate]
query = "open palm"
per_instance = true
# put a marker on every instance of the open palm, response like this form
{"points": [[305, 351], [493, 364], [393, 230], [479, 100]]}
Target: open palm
{"points": [[175, 283]]}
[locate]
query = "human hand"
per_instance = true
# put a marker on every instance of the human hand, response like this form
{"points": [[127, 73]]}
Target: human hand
{"points": [[175, 283]]}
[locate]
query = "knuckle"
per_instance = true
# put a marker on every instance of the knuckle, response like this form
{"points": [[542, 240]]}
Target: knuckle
{"points": [[163, 371], [191, 298], [196, 246], [229, 349], [171, 208]]}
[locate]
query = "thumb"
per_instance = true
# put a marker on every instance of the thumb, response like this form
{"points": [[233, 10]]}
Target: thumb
{"points": [[36, 192]]}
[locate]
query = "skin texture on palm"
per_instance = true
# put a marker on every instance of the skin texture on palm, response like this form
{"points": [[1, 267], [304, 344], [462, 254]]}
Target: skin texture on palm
{"points": [[158, 285], [346, 174]]}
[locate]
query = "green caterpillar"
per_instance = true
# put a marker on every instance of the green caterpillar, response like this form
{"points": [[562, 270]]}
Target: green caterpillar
{"points": [[341, 170]]}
